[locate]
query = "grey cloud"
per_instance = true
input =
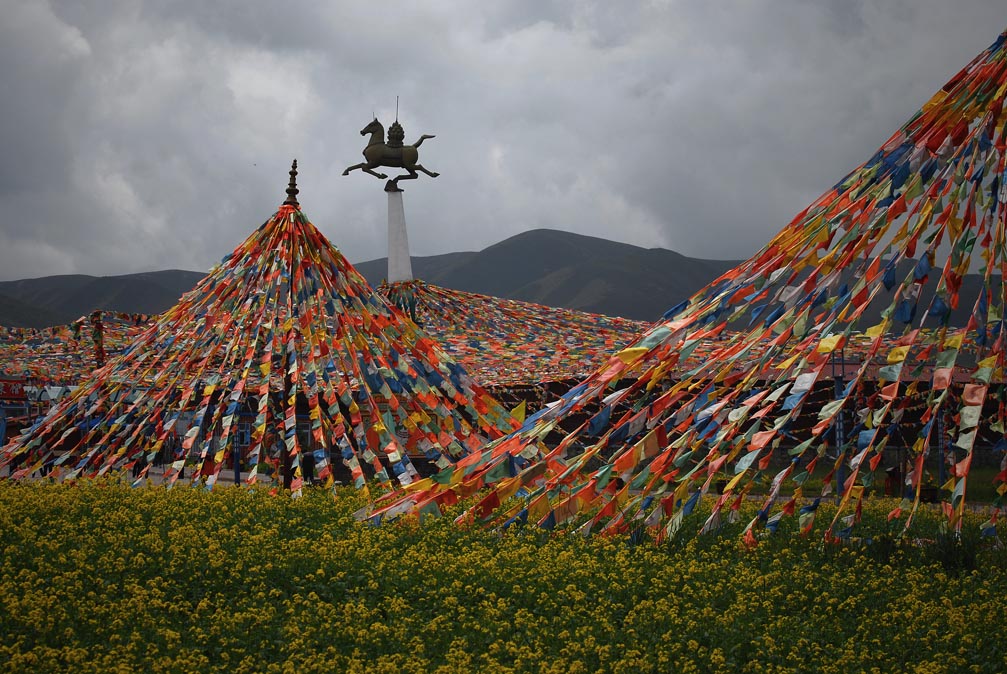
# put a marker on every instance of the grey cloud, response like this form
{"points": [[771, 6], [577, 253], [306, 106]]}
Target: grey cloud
{"points": [[148, 135]]}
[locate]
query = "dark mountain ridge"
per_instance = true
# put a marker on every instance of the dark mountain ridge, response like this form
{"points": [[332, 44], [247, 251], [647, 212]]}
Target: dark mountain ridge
{"points": [[545, 266], [569, 270], [62, 299]]}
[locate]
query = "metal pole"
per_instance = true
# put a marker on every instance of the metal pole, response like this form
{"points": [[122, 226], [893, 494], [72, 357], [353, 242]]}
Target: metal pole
{"points": [[840, 385], [236, 458], [942, 453]]}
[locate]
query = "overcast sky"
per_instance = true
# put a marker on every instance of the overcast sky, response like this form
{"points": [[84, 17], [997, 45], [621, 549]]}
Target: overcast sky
{"points": [[152, 135]]}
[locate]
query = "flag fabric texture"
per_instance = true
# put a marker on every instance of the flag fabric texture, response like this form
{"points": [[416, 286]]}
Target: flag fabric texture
{"points": [[285, 338], [833, 339]]}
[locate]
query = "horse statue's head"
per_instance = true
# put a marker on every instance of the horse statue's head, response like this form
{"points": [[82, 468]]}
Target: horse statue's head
{"points": [[373, 126]]}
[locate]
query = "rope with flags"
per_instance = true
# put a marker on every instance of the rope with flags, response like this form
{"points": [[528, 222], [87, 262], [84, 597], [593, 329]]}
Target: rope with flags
{"points": [[887, 261], [285, 331]]}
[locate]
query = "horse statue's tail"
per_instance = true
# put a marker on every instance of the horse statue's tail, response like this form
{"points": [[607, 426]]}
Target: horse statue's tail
{"points": [[422, 138]]}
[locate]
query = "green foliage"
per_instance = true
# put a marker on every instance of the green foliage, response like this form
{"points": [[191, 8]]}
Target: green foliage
{"points": [[99, 577], [957, 552]]}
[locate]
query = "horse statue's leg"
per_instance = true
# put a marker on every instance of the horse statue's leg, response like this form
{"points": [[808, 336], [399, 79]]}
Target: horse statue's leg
{"points": [[366, 167], [419, 167], [413, 175]]}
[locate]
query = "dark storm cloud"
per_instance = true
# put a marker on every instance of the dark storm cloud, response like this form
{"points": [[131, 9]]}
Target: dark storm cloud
{"points": [[149, 135]]}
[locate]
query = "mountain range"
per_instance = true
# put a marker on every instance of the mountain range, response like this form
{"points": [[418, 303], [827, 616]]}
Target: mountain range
{"points": [[568, 270], [544, 266], [57, 300]]}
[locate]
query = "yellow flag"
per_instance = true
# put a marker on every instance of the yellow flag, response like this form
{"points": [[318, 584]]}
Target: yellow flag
{"points": [[632, 354], [934, 101], [519, 412], [508, 488], [829, 344], [419, 485], [734, 482], [788, 362], [875, 330], [987, 362], [898, 354], [538, 508]]}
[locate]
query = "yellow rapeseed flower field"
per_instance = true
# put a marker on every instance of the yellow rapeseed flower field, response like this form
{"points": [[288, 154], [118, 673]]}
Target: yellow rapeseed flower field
{"points": [[101, 577]]}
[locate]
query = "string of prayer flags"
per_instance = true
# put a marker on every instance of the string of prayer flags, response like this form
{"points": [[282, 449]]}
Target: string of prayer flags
{"points": [[504, 342], [874, 317]]}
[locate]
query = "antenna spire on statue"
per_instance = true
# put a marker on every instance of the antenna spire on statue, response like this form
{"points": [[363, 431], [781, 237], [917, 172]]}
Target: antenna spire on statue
{"points": [[292, 187]]}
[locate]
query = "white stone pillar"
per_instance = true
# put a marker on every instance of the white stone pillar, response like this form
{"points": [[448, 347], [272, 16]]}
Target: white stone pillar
{"points": [[400, 267]]}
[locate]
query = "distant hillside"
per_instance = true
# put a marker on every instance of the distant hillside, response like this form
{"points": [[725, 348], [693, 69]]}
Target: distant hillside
{"points": [[53, 300], [17, 314], [545, 266], [569, 270]]}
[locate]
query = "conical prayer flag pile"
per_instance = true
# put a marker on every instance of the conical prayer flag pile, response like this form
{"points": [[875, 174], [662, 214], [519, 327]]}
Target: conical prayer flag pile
{"points": [[499, 342], [66, 354], [853, 299], [505, 342], [286, 334]]}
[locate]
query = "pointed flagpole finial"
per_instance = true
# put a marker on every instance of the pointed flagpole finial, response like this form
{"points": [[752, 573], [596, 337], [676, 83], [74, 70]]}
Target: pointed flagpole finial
{"points": [[292, 187]]}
